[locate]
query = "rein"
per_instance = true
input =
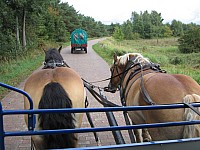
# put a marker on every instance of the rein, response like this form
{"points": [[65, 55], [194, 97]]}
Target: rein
{"points": [[97, 96], [126, 70]]}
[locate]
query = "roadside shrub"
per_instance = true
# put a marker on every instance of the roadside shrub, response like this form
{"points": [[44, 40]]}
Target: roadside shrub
{"points": [[175, 60], [135, 36], [190, 42]]}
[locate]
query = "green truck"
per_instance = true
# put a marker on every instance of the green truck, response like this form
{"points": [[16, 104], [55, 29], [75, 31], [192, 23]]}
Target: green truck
{"points": [[78, 40]]}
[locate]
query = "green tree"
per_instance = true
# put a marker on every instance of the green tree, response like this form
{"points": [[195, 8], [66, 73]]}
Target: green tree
{"points": [[156, 20], [111, 28], [128, 30], [118, 34], [70, 17], [190, 41], [177, 28], [28, 23], [7, 32], [166, 31], [148, 28], [147, 25], [138, 26]]}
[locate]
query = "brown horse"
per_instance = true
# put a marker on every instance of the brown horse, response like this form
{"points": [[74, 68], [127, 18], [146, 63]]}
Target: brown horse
{"points": [[141, 83], [55, 86]]}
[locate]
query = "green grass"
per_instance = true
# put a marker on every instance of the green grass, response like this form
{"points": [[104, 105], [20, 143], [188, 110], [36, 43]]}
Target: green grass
{"points": [[16, 71], [165, 52]]}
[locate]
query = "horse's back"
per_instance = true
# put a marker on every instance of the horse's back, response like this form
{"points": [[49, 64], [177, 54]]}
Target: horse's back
{"points": [[170, 88], [61, 75], [69, 79], [66, 77]]}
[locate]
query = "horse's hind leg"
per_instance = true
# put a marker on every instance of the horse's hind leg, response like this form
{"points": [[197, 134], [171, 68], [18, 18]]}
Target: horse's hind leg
{"points": [[37, 141], [146, 136], [142, 135], [138, 135]]}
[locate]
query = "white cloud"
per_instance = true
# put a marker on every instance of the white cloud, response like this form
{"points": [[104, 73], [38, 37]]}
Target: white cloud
{"points": [[108, 11]]}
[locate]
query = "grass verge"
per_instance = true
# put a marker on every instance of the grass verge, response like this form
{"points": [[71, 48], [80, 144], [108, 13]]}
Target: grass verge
{"points": [[16, 71], [164, 52]]}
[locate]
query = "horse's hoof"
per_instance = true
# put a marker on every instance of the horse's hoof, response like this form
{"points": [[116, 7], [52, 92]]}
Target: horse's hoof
{"points": [[147, 140], [98, 143]]}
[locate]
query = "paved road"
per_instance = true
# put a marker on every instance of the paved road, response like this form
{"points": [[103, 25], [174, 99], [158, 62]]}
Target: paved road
{"points": [[91, 67]]}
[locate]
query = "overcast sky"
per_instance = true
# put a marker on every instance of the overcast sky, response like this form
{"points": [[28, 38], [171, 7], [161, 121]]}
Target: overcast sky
{"points": [[118, 11]]}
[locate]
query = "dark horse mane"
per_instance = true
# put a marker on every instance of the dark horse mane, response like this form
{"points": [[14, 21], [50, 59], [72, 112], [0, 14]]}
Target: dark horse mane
{"points": [[53, 54], [53, 59]]}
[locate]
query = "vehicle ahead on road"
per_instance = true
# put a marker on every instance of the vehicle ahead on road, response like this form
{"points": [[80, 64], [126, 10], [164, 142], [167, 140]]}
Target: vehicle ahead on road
{"points": [[78, 40]]}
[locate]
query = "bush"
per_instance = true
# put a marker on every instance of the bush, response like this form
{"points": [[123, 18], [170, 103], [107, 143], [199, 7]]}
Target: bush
{"points": [[175, 60], [190, 42], [7, 46]]}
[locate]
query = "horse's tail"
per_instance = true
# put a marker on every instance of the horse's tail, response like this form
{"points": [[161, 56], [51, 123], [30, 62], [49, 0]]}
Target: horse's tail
{"points": [[54, 96], [191, 131]]}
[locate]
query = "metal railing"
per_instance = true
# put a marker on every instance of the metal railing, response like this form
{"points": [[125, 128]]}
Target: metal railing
{"points": [[31, 113]]}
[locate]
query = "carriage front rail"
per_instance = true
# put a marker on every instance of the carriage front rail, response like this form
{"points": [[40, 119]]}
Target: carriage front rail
{"points": [[183, 142]]}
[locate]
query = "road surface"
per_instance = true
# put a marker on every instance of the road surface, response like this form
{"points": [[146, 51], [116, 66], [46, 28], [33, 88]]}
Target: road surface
{"points": [[91, 67]]}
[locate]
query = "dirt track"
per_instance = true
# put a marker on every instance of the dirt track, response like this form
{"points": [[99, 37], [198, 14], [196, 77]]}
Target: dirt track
{"points": [[91, 67]]}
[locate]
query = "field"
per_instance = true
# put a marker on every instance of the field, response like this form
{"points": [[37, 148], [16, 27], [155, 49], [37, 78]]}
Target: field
{"points": [[164, 52]]}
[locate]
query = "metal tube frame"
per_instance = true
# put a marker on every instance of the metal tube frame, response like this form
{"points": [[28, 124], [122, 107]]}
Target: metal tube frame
{"points": [[31, 112]]}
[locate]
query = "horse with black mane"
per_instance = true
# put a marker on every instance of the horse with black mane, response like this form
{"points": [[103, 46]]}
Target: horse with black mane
{"points": [[53, 87], [142, 83]]}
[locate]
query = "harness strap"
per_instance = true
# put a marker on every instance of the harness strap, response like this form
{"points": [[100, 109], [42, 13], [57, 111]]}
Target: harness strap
{"points": [[54, 64], [133, 73], [192, 107], [144, 92], [139, 69]]}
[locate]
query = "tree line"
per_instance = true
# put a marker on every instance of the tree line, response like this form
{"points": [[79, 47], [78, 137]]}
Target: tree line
{"points": [[150, 25], [26, 24]]}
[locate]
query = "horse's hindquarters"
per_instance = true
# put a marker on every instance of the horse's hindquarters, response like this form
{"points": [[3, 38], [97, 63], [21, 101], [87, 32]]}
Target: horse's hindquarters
{"points": [[159, 116], [56, 88]]}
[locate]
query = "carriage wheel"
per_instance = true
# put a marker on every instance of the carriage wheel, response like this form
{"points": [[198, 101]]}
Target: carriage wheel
{"points": [[72, 50]]}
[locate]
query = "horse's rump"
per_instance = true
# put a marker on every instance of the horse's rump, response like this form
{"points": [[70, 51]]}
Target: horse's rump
{"points": [[164, 89], [54, 97], [55, 88]]}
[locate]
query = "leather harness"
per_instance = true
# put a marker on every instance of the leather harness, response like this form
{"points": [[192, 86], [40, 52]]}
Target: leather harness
{"points": [[54, 63], [138, 68]]}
